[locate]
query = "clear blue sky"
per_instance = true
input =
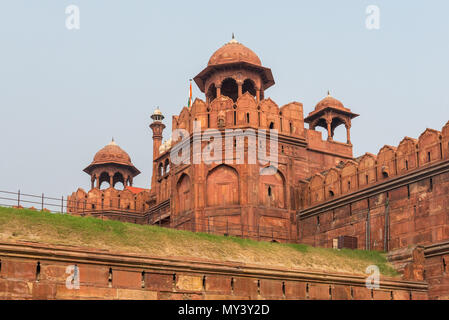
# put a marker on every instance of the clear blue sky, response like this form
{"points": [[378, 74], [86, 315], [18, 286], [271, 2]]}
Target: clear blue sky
{"points": [[64, 94]]}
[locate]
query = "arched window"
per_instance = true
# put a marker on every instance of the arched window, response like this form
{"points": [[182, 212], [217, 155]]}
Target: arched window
{"points": [[211, 93], [104, 177], [222, 187], [272, 188], [229, 88], [249, 86], [183, 193], [161, 170], [167, 166], [271, 125], [118, 179]]}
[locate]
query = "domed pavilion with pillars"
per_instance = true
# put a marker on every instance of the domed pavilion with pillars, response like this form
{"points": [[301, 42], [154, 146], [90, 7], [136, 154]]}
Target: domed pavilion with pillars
{"points": [[111, 165], [233, 70], [329, 113]]}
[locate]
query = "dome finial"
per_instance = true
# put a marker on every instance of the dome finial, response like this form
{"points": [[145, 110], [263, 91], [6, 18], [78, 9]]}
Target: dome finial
{"points": [[233, 39], [112, 143], [328, 93]]}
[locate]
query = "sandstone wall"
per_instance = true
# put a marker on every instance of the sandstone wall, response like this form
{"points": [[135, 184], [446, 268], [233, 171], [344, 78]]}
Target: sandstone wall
{"points": [[32, 271]]}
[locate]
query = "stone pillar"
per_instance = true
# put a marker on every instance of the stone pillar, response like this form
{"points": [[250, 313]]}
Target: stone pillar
{"points": [[348, 134], [98, 182], [111, 180], [258, 95], [219, 91], [92, 182], [329, 131], [239, 88]]}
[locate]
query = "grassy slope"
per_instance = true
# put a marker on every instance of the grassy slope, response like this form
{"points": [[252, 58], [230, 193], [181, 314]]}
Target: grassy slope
{"points": [[27, 225]]}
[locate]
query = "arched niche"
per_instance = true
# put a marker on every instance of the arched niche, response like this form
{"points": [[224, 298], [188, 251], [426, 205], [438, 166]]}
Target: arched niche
{"points": [[183, 193], [229, 88], [406, 155], [211, 94], [272, 188], [332, 183], [104, 180], [118, 179], [222, 187], [249, 86]]}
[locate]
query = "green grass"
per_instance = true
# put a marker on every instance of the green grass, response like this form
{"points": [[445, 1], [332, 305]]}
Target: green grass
{"points": [[43, 227]]}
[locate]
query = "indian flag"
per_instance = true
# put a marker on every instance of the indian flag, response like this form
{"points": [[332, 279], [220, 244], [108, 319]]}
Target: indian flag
{"points": [[189, 103]]}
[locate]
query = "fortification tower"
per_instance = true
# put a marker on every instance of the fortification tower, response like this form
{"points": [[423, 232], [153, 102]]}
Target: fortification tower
{"points": [[112, 165], [233, 70]]}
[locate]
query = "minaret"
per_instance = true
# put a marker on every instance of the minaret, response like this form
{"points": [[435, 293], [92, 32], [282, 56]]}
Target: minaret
{"points": [[158, 127]]}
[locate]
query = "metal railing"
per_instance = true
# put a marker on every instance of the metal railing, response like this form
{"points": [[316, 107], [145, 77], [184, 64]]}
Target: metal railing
{"points": [[211, 225]]}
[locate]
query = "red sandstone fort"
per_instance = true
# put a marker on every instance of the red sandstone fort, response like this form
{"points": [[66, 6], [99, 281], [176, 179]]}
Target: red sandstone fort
{"points": [[319, 193]]}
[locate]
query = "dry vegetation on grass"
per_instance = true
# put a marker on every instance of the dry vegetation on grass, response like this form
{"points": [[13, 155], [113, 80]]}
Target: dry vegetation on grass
{"points": [[27, 225]]}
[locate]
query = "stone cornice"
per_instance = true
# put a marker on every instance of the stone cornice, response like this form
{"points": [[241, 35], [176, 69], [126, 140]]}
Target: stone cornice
{"points": [[436, 249], [136, 262]]}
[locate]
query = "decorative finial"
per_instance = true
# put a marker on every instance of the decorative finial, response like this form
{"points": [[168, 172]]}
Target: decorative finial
{"points": [[233, 39], [112, 143], [328, 93]]}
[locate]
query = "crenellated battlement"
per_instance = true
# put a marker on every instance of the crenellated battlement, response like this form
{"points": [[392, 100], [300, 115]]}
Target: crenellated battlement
{"points": [[350, 176]]}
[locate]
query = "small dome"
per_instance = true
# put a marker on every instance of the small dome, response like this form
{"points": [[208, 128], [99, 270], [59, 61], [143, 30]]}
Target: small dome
{"points": [[157, 111], [233, 52], [112, 153], [329, 101]]}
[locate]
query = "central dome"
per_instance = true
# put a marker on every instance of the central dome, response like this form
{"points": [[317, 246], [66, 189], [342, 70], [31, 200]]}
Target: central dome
{"points": [[112, 153], [329, 101], [233, 52]]}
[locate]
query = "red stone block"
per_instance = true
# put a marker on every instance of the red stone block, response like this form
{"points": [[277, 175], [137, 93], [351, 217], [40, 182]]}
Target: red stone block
{"points": [[126, 279], [401, 295], [245, 287], [271, 289], [218, 284], [54, 273], [361, 293], [382, 295], [15, 289], [319, 291], [44, 291], [295, 290], [419, 295], [159, 282], [93, 274], [16, 269], [341, 293]]}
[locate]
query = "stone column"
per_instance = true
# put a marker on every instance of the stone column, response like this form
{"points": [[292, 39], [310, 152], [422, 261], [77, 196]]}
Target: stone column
{"points": [[348, 133], [329, 131], [239, 88], [98, 182], [258, 95], [111, 180], [219, 91]]}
